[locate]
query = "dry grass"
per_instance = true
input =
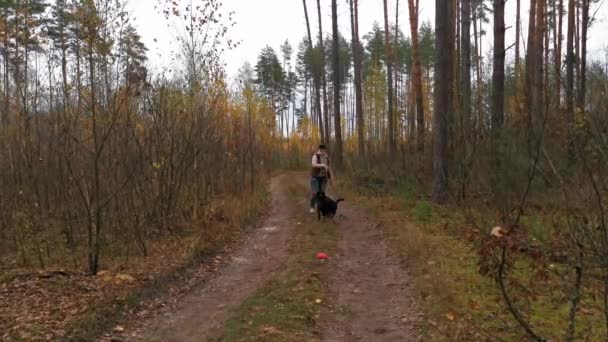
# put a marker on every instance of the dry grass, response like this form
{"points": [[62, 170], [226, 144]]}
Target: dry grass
{"points": [[72, 303], [440, 251]]}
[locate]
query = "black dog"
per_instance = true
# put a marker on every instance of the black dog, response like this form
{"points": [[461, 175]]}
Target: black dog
{"points": [[326, 207]]}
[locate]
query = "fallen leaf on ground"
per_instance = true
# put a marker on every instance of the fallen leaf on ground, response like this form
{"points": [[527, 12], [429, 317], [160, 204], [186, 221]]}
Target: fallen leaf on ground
{"points": [[124, 277], [498, 232], [270, 330]]}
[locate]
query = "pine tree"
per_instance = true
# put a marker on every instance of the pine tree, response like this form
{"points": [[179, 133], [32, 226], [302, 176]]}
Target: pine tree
{"points": [[270, 76], [133, 56]]}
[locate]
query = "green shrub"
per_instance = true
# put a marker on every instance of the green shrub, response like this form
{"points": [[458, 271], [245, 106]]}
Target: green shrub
{"points": [[423, 211], [407, 188], [369, 182]]}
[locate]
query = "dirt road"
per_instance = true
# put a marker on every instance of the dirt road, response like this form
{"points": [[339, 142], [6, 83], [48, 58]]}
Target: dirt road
{"points": [[370, 293], [207, 308], [370, 290]]}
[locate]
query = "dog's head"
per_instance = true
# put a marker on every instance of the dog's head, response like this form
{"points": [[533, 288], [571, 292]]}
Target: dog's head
{"points": [[321, 195]]}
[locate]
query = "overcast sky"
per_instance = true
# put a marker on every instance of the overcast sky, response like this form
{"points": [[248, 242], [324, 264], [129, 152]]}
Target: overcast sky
{"points": [[271, 22]]}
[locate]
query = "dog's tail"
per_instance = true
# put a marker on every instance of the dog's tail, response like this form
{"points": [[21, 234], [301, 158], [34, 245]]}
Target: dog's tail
{"points": [[339, 200]]}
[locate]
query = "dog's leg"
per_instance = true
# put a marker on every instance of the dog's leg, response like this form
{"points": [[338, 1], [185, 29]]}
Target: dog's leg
{"points": [[318, 200]]}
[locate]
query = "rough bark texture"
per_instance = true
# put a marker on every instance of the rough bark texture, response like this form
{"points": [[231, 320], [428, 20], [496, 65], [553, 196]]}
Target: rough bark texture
{"points": [[538, 90], [570, 59], [443, 96], [498, 72], [530, 60], [465, 95]]}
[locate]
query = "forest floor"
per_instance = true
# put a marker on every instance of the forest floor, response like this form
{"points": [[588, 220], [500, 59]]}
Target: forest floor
{"points": [[271, 288], [399, 269], [60, 301]]}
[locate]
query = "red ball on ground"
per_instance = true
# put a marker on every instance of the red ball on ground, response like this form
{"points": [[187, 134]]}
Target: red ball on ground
{"points": [[322, 256]]}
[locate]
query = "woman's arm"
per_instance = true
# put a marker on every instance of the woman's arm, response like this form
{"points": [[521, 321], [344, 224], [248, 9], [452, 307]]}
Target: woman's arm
{"points": [[317, 165]]}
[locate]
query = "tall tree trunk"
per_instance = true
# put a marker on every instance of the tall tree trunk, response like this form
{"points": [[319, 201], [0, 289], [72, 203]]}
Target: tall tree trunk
{"points": [[389, 71], [305, 103], [560, 43], [316, 79], [64, 75], [417, 90], [547, 44], [577, 47], [570, 59], [354, 8], [498, 87], [530, 64], [443, 96], [453, 120], [323, 75], [411, 116], [558, 13], [465, 93], [63, 44], [466, 65], [539, 94], [478, 32], [397, 113], [517, 38], [94, 203], [498, 75], [78, 77], [583, 56], [6, 105], [336, 74]]}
